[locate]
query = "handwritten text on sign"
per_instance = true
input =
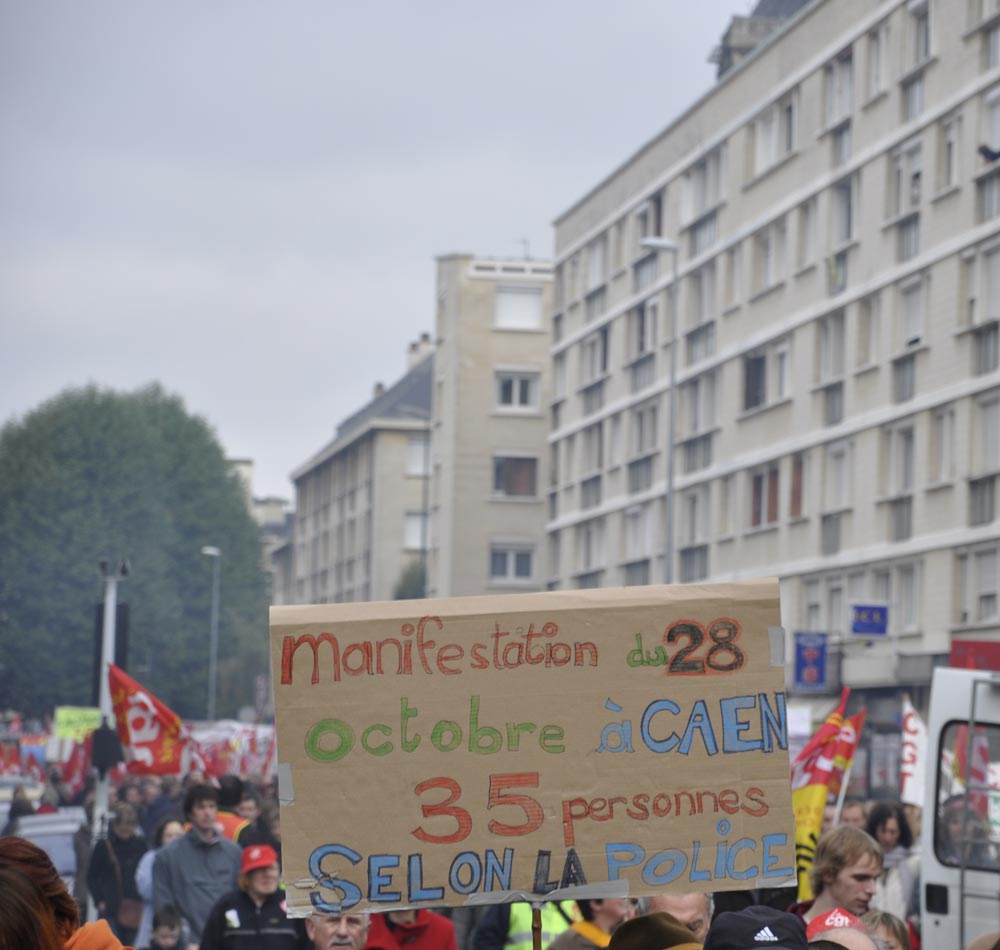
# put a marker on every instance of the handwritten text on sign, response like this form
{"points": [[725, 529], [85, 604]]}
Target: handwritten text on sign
{"points": [[531, 742]]}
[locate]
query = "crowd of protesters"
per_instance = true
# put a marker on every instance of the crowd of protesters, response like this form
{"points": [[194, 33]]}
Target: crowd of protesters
{"points": [[195, 864]]}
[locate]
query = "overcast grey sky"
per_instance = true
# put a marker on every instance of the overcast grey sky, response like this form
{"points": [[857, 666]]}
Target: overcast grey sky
{"points": [[242, 201]]}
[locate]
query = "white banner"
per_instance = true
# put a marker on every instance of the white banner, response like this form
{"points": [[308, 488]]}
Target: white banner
{"points": [[914, 756]]}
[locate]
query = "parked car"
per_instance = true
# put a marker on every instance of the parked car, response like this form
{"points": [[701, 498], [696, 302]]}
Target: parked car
{"points": [[53, 833]]}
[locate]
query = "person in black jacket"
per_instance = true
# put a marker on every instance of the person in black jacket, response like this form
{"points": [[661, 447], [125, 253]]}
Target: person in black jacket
{"points": [[253, 917], [111, 872]]}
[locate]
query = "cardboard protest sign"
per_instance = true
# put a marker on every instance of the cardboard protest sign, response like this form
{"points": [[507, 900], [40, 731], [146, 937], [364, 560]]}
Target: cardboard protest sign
{"points": [[75, 722], [432, 752]]}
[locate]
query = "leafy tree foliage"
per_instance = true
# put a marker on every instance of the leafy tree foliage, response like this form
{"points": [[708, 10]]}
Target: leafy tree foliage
{"points": [[411, 584], [98, 474]]}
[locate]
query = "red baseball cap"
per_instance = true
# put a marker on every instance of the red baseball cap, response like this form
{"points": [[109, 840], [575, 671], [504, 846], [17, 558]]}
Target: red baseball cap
{"points": [[258, 856], [833, 920]]}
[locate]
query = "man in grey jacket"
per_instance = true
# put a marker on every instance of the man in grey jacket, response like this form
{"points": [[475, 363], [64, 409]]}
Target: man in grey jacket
{"points": [[196, 869]]}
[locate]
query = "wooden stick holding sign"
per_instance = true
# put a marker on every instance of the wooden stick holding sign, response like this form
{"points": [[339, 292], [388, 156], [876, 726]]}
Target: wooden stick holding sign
{"points": [[598, 742]]}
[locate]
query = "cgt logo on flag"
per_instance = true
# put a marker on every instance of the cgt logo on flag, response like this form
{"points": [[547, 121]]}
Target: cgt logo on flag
{"points": [[154, 739]]}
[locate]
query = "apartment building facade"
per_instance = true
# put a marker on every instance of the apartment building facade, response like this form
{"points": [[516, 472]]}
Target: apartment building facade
{"points": [[489, 426], [361, 502], [784, 308]]}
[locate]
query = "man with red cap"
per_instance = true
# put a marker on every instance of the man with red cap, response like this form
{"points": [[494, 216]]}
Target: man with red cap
{"points": [[253, 917]]}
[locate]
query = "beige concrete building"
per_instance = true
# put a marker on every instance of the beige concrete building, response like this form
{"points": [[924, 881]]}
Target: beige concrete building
{"points": [[831, 336], [490, 426], [361, 501]]}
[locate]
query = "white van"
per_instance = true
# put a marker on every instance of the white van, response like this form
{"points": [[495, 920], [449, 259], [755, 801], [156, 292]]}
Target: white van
{"points": [[960, 861]]}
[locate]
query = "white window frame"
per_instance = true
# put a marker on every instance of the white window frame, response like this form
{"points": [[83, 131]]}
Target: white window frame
{"points": [[522, 382], [511, 550], [418, 454], [527, 315], [415, 531]]}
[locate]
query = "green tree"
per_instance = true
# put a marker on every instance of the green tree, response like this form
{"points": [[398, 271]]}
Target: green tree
{"points": [[95, 474], [411, 584]]}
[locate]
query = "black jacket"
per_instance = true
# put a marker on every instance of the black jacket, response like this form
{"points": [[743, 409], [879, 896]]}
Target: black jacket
{"points": [[237, 923], [102, 880]]}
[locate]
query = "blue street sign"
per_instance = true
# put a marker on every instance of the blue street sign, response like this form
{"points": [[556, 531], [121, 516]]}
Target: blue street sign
{"points": [[810, 660], [869, 620]]}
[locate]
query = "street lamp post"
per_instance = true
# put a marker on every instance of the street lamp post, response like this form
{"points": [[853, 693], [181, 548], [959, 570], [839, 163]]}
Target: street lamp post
{"points": [[213, 641], [665, 244]]}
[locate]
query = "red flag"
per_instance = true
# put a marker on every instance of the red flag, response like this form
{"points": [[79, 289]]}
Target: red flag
{"points": [[154, 739], [978, 773], [74, 769], [843, 752]]}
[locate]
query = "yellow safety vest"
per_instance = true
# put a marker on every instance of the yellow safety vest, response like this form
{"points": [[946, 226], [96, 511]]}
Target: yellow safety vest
{"points": [[553, 924]]}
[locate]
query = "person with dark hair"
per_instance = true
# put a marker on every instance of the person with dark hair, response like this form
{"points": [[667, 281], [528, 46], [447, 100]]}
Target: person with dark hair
{"points": [[196, 869], [111, 873], [898, 891], [167, 932], [25, 920], [230, 794], [265, 830], [19, 807], [166, 831]]}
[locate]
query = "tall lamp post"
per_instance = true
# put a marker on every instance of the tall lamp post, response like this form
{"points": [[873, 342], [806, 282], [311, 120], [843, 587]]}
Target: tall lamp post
{"points": [[213, 639], [665, 244]]}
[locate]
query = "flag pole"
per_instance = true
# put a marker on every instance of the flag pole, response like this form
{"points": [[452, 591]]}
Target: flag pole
{"points": [[842, 794]]}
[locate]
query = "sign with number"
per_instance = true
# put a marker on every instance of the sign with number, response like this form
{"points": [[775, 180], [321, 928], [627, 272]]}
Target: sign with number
{"points": [[810, 660], [434, 751]]}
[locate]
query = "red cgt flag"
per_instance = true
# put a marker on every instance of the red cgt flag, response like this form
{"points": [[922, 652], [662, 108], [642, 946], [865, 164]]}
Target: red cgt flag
{"points": [[153, 738], [843, 753]]}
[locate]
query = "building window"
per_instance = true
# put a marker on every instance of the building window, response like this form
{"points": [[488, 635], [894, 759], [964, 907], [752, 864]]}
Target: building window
{"points": [[942, 447], [597, 262], [830, 347], [644, 426], [693, 564], [518, 308], [913, 98], [991, 47], [727, 505], [637, 532], [694, 516], [904, 378], [648, 219], [590, 553], [773, 133], [702, 188], [904, 185], [899, 442], [768, 255], [838, 88], [700, 344], [985, 349], [989, 196], [919, 28], [594, 356], [517, 390], [415, 531], [911, 313], [796, 495], [837, 478], [642, 327], [636, 574], [698, 402], [731, 285], [418, 454], [766, 375], [644, 273], [592, 449], [979, 584], [878, 43], [948, 152], [594, 305], [842, 199], [805, 250], [515, 476], [701, 295], [511, 562], [869, 309], [764, 493]]}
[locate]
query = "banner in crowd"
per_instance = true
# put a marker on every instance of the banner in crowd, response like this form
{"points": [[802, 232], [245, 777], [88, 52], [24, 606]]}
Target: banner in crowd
{"points": [[236, 748], [440, 750], [914, 756], [75, 722], [811, 772], [153, 738], [843, 751]]}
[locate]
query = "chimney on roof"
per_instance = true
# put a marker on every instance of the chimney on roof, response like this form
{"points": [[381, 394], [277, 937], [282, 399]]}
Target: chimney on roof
{"points": [[379, 389], [419, 350]]}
